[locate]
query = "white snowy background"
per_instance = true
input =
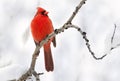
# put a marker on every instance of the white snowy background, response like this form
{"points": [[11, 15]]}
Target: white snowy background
{"points": [[72, 60]]}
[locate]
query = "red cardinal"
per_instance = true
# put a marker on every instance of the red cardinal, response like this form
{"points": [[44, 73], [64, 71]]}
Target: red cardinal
{"points": [[41, 27]]}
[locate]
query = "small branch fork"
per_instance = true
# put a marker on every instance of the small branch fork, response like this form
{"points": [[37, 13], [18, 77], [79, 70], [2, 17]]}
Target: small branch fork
{"points": [[31, 71]]}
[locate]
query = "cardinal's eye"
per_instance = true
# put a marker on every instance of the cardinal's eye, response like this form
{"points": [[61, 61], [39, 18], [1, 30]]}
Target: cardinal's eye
{"points": [[43, 12]]}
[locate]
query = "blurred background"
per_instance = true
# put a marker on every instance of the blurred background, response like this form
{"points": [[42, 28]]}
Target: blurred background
{"points": [[72, 59]]}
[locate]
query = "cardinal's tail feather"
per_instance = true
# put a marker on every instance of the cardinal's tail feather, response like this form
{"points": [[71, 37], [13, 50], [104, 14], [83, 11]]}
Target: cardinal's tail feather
{"points": [[54, 41], [48, 58]]}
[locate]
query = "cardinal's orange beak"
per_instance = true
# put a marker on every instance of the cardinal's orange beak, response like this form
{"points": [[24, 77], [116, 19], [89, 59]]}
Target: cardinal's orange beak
{"points": [[46, 12]]}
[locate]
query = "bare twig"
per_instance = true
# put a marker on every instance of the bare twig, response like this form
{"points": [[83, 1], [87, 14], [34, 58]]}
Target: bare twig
{"points": [[112, 38], [113, 34], [76, 11], [87, 41], [89, 48]]}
